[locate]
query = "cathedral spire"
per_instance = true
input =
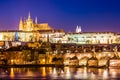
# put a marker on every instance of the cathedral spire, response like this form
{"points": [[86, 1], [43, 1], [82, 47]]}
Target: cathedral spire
{"points": [[21, 20], [29, 17], [36, 20], [78, 29], [21, 24]]}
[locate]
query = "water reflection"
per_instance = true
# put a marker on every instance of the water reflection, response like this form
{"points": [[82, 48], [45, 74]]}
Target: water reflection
{"points": [[105, 74], [67, 72], [85, 73], [60, 73], [43, 71], [29, 72], [12, 73]]}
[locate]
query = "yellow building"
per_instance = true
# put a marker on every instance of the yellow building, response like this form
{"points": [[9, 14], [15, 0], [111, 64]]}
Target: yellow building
{"points": [[29, 25], [23, 36]]}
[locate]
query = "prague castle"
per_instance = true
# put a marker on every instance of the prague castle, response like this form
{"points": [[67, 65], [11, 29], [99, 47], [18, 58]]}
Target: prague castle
{"points": [[28, 25], [32, 31]]}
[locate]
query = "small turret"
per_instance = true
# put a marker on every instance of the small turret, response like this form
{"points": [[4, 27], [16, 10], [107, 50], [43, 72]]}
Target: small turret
{"points": [[78, 29], [21, 24], [36, 20]]}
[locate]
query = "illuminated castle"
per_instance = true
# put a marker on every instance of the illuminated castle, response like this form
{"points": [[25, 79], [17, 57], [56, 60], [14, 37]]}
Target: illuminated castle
{"points": [[29, 25], [31, 31]]}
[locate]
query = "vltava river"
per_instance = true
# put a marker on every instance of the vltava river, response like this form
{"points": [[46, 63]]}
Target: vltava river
{"points": [[59, 73]]}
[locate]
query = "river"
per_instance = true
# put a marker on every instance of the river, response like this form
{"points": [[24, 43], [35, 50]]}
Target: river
{"points": [[35, 73]]}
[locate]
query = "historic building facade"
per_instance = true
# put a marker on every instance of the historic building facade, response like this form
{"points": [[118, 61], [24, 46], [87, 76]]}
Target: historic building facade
{"points": [[80, 37], [29, 25], [91, 38], [42, 31], [31, 31]]}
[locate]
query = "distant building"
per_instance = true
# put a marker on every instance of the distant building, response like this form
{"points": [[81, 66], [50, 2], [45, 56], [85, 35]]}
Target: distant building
{"points": [[32, 31], [78, 29], [29, 25], [91, 38]]}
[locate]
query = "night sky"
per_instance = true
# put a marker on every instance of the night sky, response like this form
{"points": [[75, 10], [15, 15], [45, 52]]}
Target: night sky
{"points": [[91, 15]]}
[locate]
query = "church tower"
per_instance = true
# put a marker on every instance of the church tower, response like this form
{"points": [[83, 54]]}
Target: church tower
{"points": [[21, 24], [78, 29], [29, 23], [36, 21], [29, 17]]}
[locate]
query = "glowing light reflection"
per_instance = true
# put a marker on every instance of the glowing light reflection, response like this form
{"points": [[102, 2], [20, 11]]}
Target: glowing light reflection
{"points": [[54, 71], [68, 74], [105, 74], [29, 73], [43, 71], [113, 74], [93, 76], [85, 75], [12, 73]]}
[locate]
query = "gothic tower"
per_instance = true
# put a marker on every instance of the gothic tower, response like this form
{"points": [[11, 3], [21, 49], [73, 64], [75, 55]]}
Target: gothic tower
{"points": [[21, 24], [78, 29], [36, 20], [29, 23]]}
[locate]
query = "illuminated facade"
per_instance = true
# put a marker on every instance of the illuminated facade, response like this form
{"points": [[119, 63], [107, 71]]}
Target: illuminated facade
{"points": [[80, 37], [31, 31], [91, 38], [39, 32], [30, 36], [23, 36], [29, 25]]}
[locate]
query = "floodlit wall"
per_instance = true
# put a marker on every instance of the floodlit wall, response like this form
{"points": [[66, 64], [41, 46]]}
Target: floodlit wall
{"points": [[61, 37], [91, 38]]}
